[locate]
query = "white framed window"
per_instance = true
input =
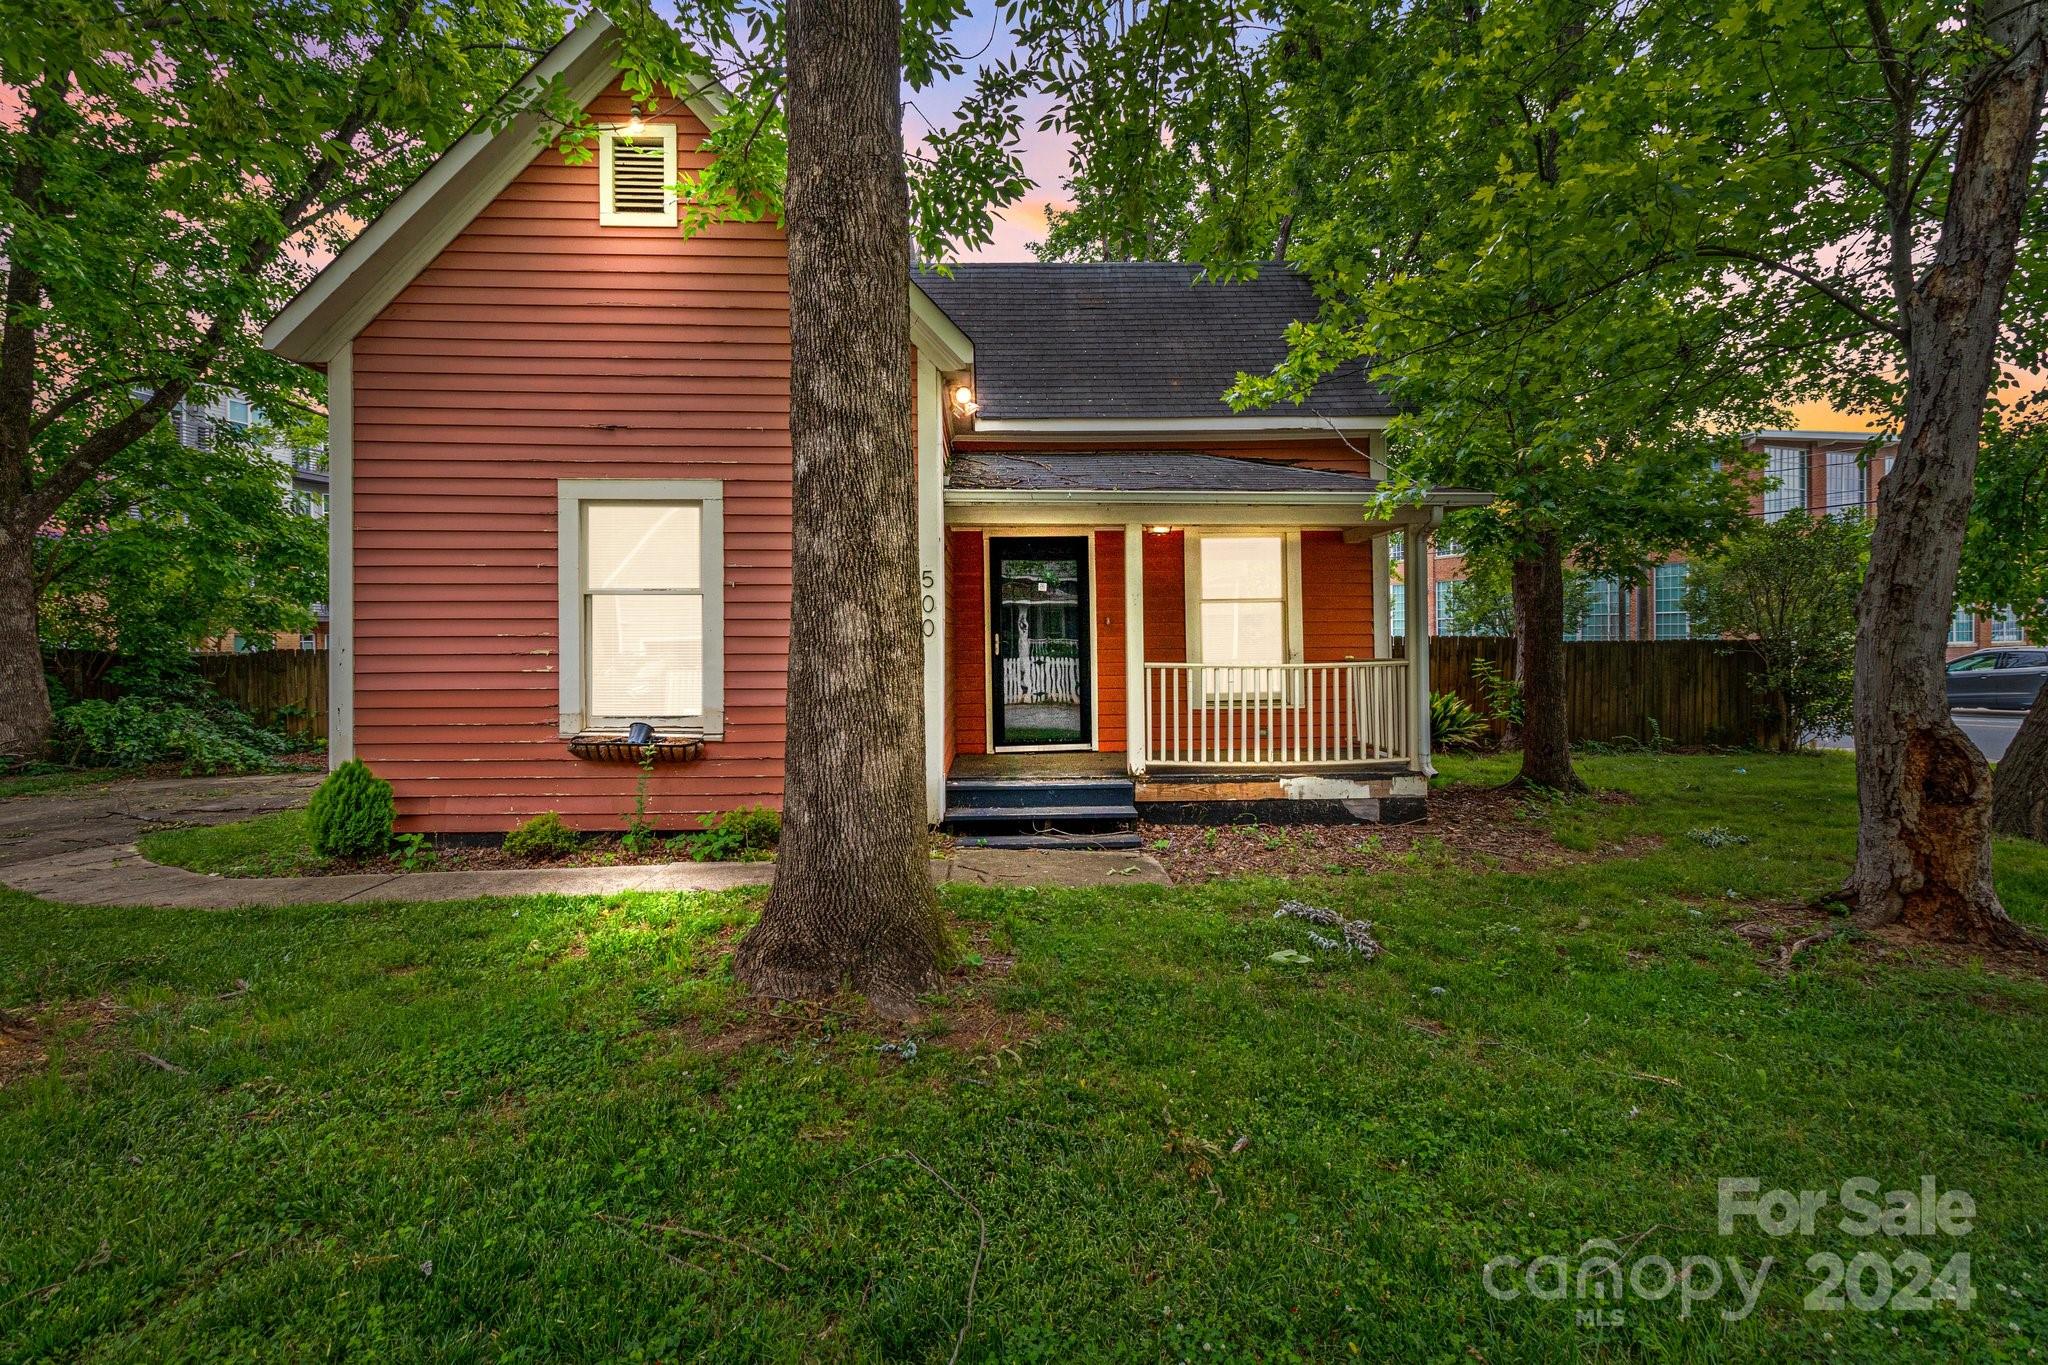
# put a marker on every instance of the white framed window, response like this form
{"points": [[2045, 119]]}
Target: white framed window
{"points": [[1397, 609], [1845, 483], [1245, 603], [1603, 612], [1672, 620], [636, 170], [1441, 625], [642, 612], [1785, 468], [1447, 547], [2005, 628], [1962, 628]]}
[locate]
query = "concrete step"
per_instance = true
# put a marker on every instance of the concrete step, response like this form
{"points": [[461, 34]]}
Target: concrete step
{"points": [[1113, 840]]}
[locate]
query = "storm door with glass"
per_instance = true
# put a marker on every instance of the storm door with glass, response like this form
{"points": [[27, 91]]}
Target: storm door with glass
{"points": [[1038, 609]]}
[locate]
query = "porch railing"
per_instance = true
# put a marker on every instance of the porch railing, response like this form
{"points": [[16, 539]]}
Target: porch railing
{"points": [[1276, 715]]}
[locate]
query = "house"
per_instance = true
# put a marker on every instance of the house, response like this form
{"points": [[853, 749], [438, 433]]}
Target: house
{"points": [[1823, 473], [561, 504]]}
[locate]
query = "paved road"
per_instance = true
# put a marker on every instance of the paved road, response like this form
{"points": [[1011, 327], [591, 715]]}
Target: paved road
{"points": [[1990, 731]]}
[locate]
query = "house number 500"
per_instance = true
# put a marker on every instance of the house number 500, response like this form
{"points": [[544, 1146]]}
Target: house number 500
{"points": [[929, 581]]}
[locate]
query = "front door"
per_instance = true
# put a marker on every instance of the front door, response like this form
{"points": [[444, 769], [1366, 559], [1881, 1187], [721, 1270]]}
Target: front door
{"points": [[1038, 623]]}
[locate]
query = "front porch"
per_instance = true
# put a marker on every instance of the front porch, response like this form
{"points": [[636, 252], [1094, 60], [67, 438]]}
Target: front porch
{"points": [[1227, 651]]}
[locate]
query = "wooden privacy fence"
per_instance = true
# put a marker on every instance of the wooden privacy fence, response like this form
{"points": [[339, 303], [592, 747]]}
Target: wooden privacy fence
{"points": [[1685, 692], [287, 687]]}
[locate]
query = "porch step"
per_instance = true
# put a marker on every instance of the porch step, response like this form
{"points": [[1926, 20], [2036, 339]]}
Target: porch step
{"points": [[1018, 815], [1051, 813], [996, 793], [1114, 842]]}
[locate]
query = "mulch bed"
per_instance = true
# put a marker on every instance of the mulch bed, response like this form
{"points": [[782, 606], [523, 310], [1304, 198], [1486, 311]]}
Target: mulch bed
{"points": [[1471, 826], [603, 851]]}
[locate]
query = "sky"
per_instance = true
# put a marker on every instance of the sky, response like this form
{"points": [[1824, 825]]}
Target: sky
{"points": [[1044, 154]]}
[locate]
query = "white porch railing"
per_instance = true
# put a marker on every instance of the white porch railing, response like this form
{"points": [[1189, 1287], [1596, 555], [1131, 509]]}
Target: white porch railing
{"points": [[1275, 715], [1041, 680]]}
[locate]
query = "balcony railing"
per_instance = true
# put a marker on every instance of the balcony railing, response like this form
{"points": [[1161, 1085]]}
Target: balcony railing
{"points": [[1276, 715]]}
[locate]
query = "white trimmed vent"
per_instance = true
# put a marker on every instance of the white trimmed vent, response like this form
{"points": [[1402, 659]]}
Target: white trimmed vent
{"points": [[634, 172]]}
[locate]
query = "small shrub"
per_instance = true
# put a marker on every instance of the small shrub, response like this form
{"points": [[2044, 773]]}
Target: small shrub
{"points": [[416, 852], [544, 836], [140, 730], [746, 835], [1503, 694], [1453, 724], [351, 815]]}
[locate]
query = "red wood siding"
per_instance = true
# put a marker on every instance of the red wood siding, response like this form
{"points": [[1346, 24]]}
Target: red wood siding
{"points": [[1336, 598], [539, 346], [1166, 612], [1110, 665], [967, 605]]}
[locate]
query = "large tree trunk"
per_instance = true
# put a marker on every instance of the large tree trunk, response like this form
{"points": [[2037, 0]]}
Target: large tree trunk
{"points": [[853, 903], [2019, 789], [1539, 664], [24, 695], [1923, 847]]}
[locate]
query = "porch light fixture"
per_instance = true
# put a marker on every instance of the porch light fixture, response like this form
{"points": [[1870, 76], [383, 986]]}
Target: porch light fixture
{"points": [[1162, 530], [963, 401], [633, 126]]}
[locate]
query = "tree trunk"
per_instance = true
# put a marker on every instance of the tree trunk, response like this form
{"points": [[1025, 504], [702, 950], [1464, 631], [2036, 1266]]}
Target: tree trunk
{"points": [[1923, 846], [853, 903], [24, 695], [2019, 789], [1539, 663]]}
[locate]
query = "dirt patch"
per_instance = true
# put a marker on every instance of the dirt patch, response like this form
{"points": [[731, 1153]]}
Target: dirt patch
{"points": [[964, 1018], [1467, 826], [1784, 935], [28, 1035]]}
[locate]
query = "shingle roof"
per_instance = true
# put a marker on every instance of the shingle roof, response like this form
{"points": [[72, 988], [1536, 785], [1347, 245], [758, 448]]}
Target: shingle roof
{"points": [[1151, 471], [1131, 340]]}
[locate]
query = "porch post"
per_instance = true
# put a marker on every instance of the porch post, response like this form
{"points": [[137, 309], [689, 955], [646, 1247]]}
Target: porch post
{"points": [[931, 579], [1137, 722], [1382, 597], [1415, 574]]}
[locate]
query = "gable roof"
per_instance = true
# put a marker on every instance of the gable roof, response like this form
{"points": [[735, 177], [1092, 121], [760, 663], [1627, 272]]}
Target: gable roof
{"points": [[1131, 341], [349, 292]]}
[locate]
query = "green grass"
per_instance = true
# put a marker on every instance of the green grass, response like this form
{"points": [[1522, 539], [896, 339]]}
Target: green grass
{"points": [[397, 1142], [37, 778], [274, 845]]}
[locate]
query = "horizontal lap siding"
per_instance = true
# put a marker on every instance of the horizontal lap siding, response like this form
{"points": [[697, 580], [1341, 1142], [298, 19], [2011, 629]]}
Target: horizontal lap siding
{"points": [[1110, 665], [1336, 598], [965, 600], [537, 347]]}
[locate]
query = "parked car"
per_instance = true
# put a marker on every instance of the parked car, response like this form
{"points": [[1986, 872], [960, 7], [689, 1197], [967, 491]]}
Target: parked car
{"points": [[1997, 679]]}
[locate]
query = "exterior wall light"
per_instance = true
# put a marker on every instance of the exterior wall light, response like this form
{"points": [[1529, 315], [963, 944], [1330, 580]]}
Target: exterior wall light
{"points": [[963, 401]]}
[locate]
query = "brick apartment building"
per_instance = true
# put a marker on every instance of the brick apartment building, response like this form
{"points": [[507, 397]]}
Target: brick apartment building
{"points": [[1825, 472], [194, 422]]}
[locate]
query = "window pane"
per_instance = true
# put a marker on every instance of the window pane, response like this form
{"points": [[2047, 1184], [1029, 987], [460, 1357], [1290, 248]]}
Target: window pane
{"points": [[1241, 566], [2005, 629], [1962, 628], [1672, 621], [1397, 608], [641, 545], [646, 656], [1243, 633], [1845, 482], [1785, 467]]}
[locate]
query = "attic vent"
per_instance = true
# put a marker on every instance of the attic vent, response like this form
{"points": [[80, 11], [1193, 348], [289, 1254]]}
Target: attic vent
{"points": [[635, 171]]}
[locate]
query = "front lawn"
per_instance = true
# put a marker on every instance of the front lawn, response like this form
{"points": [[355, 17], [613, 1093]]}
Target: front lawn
{"points": [[549, 1128]]}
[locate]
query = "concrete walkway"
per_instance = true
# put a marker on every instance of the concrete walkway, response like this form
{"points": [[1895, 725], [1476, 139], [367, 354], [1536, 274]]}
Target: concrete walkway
{"points": [[121, 811], [77, 845], [122, 876]]}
